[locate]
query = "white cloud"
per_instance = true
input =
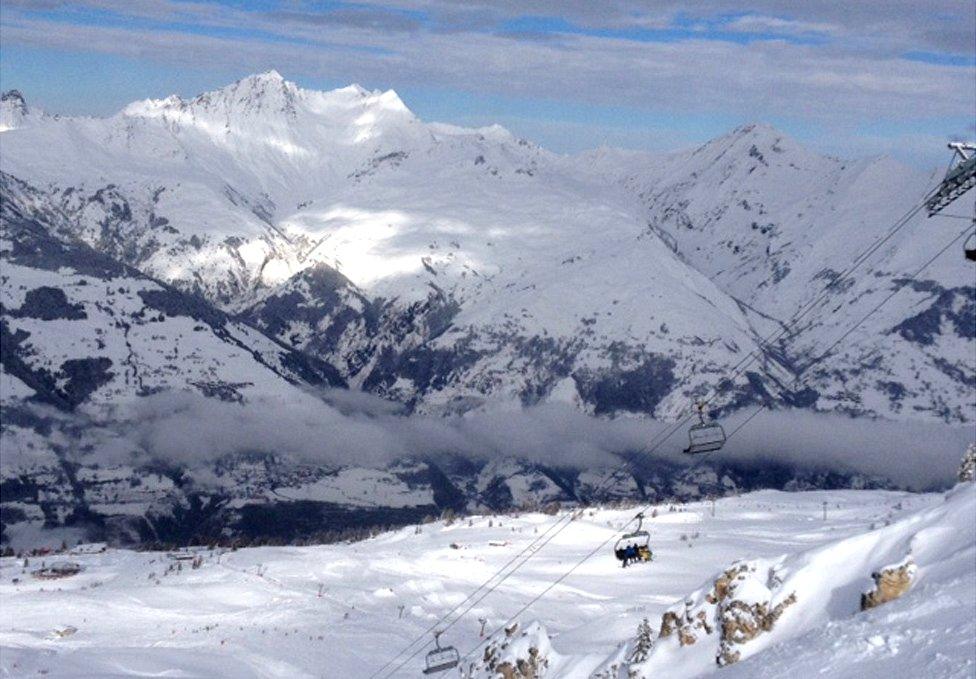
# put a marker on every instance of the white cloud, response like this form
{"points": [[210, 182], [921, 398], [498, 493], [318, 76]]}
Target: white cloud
{"points": [[187, 429], [765, 24], [855, 80], [756, 81]]}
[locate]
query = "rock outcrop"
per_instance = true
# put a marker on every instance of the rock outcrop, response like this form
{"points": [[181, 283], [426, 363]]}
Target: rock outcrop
{"points": [[889, 583], [739, 607], [967, 469], [742, 622], [514, 653]]}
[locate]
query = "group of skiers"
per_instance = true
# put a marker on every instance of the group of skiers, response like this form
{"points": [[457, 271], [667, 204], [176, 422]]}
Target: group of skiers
{"points": [[633, 552]]}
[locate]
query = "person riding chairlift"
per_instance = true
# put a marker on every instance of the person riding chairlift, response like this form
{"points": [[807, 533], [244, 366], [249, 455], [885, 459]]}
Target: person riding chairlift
{"points": [[631, 553]]}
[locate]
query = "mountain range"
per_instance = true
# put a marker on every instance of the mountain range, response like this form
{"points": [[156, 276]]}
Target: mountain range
{"points": [[262, 241]]}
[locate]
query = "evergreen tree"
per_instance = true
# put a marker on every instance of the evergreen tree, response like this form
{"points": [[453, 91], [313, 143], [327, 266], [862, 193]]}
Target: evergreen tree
{"points": [[645, 642]]}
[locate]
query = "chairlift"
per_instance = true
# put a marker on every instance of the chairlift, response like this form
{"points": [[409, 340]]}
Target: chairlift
{"points": [[704, 437], [959, 178], [639, 539], [970, 247], [442, 657]]}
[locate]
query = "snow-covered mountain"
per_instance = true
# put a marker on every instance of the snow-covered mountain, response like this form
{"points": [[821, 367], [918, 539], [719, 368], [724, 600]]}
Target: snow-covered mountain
{"points": [[774, 225], [88, 343], [261, 239], [79, 327], [450, 268]]}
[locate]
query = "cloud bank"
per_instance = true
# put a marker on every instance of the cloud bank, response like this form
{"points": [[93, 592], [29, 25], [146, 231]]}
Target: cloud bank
{"points": [[186, 429]]}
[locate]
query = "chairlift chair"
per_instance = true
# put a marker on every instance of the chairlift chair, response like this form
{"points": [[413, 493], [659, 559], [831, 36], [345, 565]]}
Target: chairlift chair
{"points": [[959, 178], [442, 657], [970, 248], [640, 538], [704, 437]]}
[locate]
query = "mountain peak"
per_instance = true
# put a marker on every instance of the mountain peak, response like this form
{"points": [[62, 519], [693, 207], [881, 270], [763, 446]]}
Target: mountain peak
{"points": [[756, 140], [15, 99], [755, 128], [258, 92], [271, 75], [13, 110], [266, 81], [756, 133], [391, 101]]}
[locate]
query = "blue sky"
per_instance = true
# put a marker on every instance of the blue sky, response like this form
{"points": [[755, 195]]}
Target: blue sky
{"points": [[896, 77]]}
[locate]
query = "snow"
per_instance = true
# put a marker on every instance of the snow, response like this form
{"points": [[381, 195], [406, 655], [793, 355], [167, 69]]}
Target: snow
{"points": [[12, 387], [359, 487], [336, 609], [147, 348]]}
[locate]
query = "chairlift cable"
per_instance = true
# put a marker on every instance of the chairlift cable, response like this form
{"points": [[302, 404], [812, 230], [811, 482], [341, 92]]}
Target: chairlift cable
{"points": [[735, 431], [753, 355], [857, 262], [884, 301], [968, 219], [564, 524], [532, 548], [862, 257], [657, 440], [444, 617], [566, 574]]}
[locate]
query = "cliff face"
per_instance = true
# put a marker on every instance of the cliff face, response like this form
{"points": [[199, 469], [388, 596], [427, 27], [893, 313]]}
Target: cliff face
{"points": [[738, 608]]}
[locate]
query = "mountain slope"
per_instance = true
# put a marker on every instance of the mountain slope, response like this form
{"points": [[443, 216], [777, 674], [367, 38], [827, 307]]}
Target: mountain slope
{"points": [[83, 328], [454, 269], [133, 412], [774, 225], [85, 340]]}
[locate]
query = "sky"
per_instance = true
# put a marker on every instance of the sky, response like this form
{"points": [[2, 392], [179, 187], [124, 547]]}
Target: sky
{"points": [[851, 78]]}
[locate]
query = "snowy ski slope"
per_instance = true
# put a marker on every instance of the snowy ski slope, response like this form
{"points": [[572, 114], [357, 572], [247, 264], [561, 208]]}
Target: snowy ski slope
{"points": [[345, 610]]}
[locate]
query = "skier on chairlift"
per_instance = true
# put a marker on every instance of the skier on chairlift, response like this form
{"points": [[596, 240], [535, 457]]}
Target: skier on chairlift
{"points": [[635, 546]]}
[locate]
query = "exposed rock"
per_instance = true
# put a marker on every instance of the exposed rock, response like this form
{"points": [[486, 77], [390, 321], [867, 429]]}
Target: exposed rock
{"points": [[687, 625], [523, 668], [61, 569], [742, 622], [514, 653], [967, 470], [669, 623], [889, 584], [739, 606], [47, 304]]}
